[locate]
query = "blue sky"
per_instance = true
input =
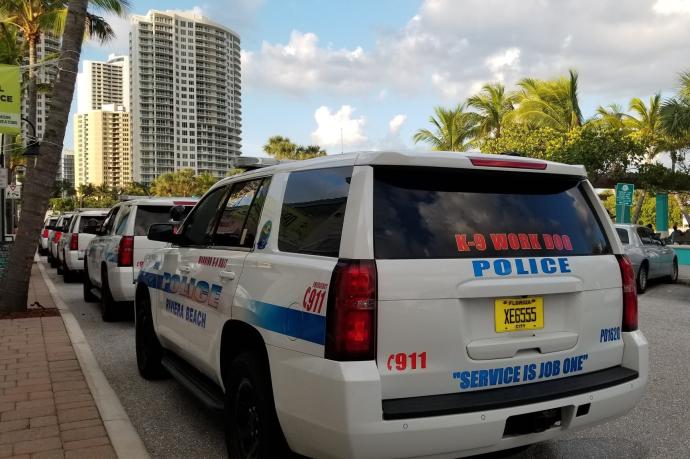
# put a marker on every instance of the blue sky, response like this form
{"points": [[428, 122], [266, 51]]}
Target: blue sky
{"points": [[376, 69]]}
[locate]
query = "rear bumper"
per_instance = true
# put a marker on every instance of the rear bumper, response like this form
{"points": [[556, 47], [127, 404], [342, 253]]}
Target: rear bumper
{"points": [[334, 409], [72, 260], [121, 283]]}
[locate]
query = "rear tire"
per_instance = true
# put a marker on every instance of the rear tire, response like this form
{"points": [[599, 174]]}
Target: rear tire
{"points": [[642, 279], [673, 278], [252, 429], [108, 304], [58, 265], [68, 275], [148, 348], [89, 297]]}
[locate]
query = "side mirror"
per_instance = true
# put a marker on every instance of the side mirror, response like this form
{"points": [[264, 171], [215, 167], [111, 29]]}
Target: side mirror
{"points": [[178, 213], [162, 232]]}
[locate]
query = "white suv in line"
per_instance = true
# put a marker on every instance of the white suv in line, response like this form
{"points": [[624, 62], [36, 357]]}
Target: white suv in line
{"points": [[386, 304], [74, 240], [113, 258], [43, 241], [54, 237]]}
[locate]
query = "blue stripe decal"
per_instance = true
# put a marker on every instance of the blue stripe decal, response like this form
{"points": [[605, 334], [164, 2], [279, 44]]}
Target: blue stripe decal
{"points": [[295, 323], [291, 322]]}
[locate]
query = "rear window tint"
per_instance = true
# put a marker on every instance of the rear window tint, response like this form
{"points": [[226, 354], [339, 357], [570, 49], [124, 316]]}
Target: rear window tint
{"points": [[311, 220], [51, 222], [623, 235], [459, 213], [91, 220], [147, 216]]}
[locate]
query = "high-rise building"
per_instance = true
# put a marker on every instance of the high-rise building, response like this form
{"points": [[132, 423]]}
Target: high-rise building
{"points": [[102, 147], [103, 83], [66, 171], [186, 94], [48, 47]]}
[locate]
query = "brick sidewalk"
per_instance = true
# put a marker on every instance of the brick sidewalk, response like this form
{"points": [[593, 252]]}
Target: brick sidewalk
{"points": [[46, 407]]}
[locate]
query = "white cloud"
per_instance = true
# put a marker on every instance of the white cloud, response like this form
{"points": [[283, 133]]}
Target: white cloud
{"points": [[334, 127], [396, 123], [667, 7]]}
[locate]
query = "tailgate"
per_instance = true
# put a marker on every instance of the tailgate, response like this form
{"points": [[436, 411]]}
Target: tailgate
{"points": [[490, 279]]}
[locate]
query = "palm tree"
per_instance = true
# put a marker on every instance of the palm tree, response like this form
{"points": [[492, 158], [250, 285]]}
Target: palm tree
{"points": [[549, 103], [39, 180], [283, 148], [611, 116], [310, 151], [33, 18], [493, 106], [454, 129]]}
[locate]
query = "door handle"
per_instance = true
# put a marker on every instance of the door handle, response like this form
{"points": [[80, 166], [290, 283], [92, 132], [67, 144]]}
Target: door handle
{"points": [[229, 275], [185, 269]]}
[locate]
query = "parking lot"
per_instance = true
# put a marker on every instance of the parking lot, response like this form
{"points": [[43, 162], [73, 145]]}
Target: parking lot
{"points": [[173, 424]]}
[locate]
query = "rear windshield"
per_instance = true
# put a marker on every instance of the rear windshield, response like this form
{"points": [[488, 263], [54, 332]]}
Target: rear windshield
{"points": [[90, 220], [623, 235], [65, 223], [51, 222], [458, 213]]}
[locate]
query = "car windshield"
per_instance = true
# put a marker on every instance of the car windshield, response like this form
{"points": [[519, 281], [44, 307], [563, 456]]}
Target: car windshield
{"points": [[459, 213]]}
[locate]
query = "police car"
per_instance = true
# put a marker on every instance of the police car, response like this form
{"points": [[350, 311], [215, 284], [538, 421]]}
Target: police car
{"points": [[112, 259], [74, 240], [386, 304]]}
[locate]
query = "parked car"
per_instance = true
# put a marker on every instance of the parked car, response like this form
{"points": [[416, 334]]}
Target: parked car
{"points": [[113, 258], [43, 239], [74, 240], [54, 237], [385, 304], [651, 258]]}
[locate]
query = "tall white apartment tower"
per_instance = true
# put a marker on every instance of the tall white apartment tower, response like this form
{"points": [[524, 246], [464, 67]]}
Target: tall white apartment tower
{"points": [[48, 48], [103, 83], [186, 94]]}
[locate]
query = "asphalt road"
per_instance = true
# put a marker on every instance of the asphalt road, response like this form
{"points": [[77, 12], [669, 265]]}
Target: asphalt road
{"points": [[173, 424]]}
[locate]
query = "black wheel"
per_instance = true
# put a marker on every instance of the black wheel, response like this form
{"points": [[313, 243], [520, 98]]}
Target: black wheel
{"points": [[108, 304], [252, 430], [68, 275], [673, 278], [642, 279], [59, 266], [148, 348], [51, 260], [89, 297]]}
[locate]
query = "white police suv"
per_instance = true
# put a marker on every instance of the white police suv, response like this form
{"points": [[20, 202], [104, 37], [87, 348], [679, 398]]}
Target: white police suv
{"points": [[388, 304], [112, 259]]}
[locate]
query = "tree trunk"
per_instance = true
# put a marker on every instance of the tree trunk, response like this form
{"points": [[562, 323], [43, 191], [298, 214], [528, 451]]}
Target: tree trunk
{"points": [[40, 180], [638, 207], [32, 94]]}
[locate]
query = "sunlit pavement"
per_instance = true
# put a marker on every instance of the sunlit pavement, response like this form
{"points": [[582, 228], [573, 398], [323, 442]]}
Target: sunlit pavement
{"points": [[173, 424]]}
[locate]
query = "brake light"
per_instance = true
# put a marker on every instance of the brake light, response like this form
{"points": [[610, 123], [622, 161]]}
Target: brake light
{"points": [[629, 294], [58, 235], [44, 233], [509, 163], [74, 242], [351, 311], [125, 251]]}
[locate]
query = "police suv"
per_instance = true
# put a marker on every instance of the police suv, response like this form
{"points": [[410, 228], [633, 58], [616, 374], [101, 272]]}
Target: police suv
{"points": [[387, 304]]}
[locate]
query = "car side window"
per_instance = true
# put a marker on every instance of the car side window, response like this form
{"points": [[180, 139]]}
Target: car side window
{"points": [[122, 222], [623, 235], [646, 236], [199, 224], [240, 217], [109, 222]]}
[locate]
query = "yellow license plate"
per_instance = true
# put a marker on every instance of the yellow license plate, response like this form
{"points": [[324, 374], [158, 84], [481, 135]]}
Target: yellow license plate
{"points": [[517, 314]]}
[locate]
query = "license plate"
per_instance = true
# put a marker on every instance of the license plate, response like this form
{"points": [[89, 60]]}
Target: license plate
{"points": [[517, 314]]}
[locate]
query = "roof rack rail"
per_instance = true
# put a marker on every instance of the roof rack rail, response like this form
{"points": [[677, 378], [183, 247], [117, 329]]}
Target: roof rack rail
{"points": [[255, 162]]}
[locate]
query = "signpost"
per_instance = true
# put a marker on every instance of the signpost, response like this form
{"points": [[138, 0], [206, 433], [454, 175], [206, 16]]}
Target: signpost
{"points": [[624, 199], [13, 191]]}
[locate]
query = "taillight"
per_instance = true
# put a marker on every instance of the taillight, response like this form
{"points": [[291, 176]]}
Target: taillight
{"points": [[74, 242], [508, 163], [125, 251], [629, 294], [351, 311], [58, 235], [44, 233]]}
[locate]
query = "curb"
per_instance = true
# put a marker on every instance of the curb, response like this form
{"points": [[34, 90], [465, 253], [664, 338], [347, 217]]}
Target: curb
{"points": [[123, 435]]}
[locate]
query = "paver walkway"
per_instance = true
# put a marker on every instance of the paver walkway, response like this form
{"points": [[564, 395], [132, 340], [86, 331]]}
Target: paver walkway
{"points": [[46, 408]]}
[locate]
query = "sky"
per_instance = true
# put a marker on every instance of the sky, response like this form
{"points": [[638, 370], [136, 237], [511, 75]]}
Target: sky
{"points": [[367, 74]]}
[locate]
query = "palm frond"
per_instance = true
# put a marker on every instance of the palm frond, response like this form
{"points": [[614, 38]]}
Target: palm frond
{"points": [[97, 27]]}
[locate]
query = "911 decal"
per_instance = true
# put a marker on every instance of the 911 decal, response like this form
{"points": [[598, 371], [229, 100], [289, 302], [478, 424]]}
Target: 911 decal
{"points": [[401, 361], [472, 379], [314, 297]]}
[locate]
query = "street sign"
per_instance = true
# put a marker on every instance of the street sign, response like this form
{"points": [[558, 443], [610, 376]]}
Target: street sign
{"points": [[3, 178], [13, 191], [10, 99], [624, 194]]}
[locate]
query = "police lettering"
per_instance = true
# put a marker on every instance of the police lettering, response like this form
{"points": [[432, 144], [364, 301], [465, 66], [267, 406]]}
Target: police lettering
{"points": [[521, 266], [610, 334]]}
